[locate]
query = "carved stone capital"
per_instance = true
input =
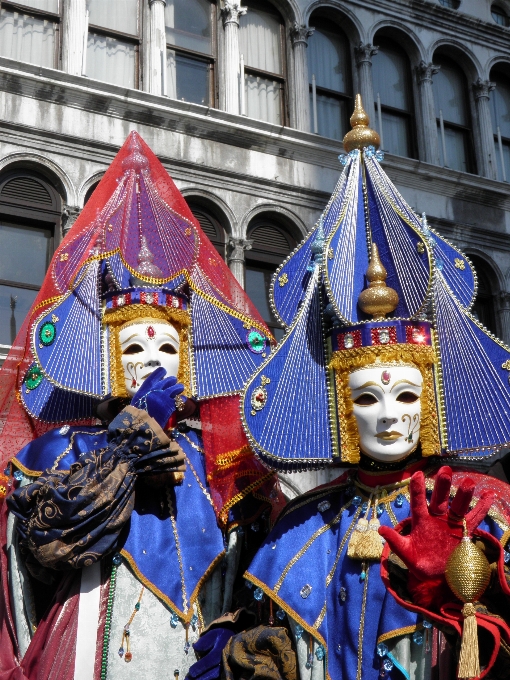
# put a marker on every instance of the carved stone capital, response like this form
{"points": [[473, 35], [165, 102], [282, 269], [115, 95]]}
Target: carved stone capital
{"points": [[504, 300], [237, 246], [153, 2], [69, 216], [231, 12], [364, 53], [425, 71], [481, 88], [300, 33]]}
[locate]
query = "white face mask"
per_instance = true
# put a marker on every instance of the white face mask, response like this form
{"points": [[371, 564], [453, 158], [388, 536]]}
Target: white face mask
{"points": [[145, 346], [387, 408]]}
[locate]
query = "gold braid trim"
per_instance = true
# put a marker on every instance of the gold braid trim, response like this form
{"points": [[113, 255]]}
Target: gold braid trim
{"points": [[226, 460], [223, 516], [118, 318], [345, 361], [505, 538], [398, 632]]}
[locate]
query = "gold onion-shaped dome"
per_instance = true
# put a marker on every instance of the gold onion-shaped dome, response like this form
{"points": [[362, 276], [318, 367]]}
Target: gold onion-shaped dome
{"points": [[361, 135], [378, 299]]}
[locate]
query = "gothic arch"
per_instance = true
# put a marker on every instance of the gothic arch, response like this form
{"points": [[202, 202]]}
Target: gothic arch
{"points": [[289, 220], [347, 20], [403, 35], [46, 167], [463, 57]]}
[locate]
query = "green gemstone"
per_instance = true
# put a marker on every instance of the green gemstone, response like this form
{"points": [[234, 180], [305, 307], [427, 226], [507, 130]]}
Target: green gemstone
{"points": [[47, 333], [137, 606], [34, 377], [256, 341]]}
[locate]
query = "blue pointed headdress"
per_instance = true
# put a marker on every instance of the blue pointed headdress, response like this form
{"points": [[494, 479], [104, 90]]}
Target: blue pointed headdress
{"points": [[373, 283], [136, 251]]}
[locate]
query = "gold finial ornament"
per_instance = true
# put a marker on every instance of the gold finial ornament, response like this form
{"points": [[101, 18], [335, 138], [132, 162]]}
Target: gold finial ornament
{"points": [[361, 135], [468, 574], [378, 299]]}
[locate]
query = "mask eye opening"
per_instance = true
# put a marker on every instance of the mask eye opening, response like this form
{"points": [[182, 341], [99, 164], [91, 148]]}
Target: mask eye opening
{"points": [[366, 399], [408, 397], [168, 348], [134, 348]]}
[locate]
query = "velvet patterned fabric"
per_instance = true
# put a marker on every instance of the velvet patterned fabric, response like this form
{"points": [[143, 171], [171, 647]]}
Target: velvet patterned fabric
{"points": [[262, 653]]}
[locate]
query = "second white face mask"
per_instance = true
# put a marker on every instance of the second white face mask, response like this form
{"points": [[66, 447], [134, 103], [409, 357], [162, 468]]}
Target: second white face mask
{"points": [[145, 346], [387, 408]]}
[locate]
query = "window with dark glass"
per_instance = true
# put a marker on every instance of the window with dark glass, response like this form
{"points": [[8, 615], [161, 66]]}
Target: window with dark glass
{"points": [[30, 30], [500, 16], [191, 50], [271, 245], [484, 307], [210, 226], [113, 45], [262, 38], [451, 4], [500, 112], [452, 114], [329, 70], [391, 75], [30, 214]]}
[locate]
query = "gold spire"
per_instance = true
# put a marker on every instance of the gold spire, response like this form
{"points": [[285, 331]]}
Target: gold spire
{"points": [[360, 135], [378, 299]]}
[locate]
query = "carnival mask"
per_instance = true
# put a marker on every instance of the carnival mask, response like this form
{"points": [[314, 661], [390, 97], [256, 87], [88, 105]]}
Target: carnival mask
{"points": [[387, 408], [144, 347]]}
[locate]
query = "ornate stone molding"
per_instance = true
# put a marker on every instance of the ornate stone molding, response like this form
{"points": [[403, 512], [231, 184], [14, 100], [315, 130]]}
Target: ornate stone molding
{"points": [[231, 12], [425, 71], [70, 214], [300, 33], [364, 53], [481, 88], [238, 246], [153, 2]]}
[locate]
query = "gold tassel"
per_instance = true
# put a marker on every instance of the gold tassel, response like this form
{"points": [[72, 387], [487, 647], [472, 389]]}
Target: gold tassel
{"points": [[360, 529], [469, 664], [370, 545]]}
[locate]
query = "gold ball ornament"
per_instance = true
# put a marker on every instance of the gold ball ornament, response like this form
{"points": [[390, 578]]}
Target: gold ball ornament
{"points": [[467, 571], [378, 299], [361, 135]]}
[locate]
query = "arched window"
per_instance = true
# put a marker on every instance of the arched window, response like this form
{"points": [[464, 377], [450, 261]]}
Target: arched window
{"points": [[452, 114], [262, 40], [89, 193], [211, 226], [272, 243], [30, 215], [500, 111], [113, 45], [484, 308], [191, 50], [500, 16], [29, 31], [391, 75], [329, 69]]}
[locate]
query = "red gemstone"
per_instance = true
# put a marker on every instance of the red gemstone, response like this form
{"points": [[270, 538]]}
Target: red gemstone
{"points": [[134, 383], [128, 656], [385, 377], [151, 332]]}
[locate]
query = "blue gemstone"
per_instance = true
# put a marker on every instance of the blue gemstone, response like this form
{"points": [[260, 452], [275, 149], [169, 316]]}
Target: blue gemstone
{"points": [[356, 501], [418, 637], [362, 576], [364, 507], [187, 645], [117, 559], [343, 158], [320, 653], [439, 264], [379, 156], [137, 606], [258, 594], [426, 624], [7, 471], [280, 614], [174, 620], [121, 651], [248, 584], [354, 153], [506, 556], [387, 664], [382, 649], [194, 620], [399, 500], [18, 475], [380, 510], [309, 662], [339, 648], [342, 594], [298, 632]]}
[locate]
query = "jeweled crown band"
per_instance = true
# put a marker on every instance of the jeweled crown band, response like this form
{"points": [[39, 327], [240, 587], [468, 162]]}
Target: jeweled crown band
{"points": [[376, 333], [158, 298]]}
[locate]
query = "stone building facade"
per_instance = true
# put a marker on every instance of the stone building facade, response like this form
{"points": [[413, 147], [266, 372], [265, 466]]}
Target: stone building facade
{"points": [[246, 103]]}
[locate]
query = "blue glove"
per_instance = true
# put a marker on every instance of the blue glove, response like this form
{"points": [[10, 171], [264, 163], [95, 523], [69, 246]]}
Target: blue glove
{"points": [[209, 648], [159, 396]]}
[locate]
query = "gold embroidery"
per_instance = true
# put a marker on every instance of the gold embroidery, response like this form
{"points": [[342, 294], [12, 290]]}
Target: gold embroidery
{"points": [[460, 264], [362, 622], [397, 632], [283, 279]]}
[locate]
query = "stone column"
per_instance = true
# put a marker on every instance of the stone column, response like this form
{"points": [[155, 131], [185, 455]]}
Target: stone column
{"points": [[428, 139], [74, 26], [154, 46], [363, 55], [504, 315], [231, 13], [70, 214], [235, 258], [299, 35], [486, 162]]}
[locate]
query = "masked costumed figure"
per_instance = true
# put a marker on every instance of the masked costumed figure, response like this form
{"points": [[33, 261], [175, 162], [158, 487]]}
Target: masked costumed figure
{"points": [[120, 542], [382, 369]]}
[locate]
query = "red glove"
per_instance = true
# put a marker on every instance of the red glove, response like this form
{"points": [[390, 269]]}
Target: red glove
{"points": [[435, 531]]}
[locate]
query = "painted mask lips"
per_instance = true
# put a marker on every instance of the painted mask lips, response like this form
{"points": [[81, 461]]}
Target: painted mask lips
{"points": [[390, 436]]}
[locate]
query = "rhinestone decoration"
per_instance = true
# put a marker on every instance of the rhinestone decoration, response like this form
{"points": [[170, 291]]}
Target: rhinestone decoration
{"points": [[323, 506], [47, 333], [356, 501], [298, 631], [427, 624], [364, 507], [18, 475], [387, 664], [309, 661], [258, 594], [7, 471], [121, 300], [348, 341], [151, 332], [506, 556], [64, 429], [382, 649], [194, 620], [418, 336], [258, 398], [343, 594], [255, 527], [174, 620], [34, 378], [343, 158], [305, 591], [117, 559], [384, 336], [256, 341], [386, 376], [380, 509], [339, 648], [399, 500], [280, 614], [320, 653], [418, 637], [248, 584]]}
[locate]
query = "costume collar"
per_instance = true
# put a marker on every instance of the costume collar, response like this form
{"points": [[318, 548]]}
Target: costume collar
{"points": [[382, 479]]}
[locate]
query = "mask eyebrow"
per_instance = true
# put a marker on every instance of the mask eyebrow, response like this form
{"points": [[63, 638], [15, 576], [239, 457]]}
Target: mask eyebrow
{"points": [[172, 337], [370, 383], [128, 339], [400, 382]]}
